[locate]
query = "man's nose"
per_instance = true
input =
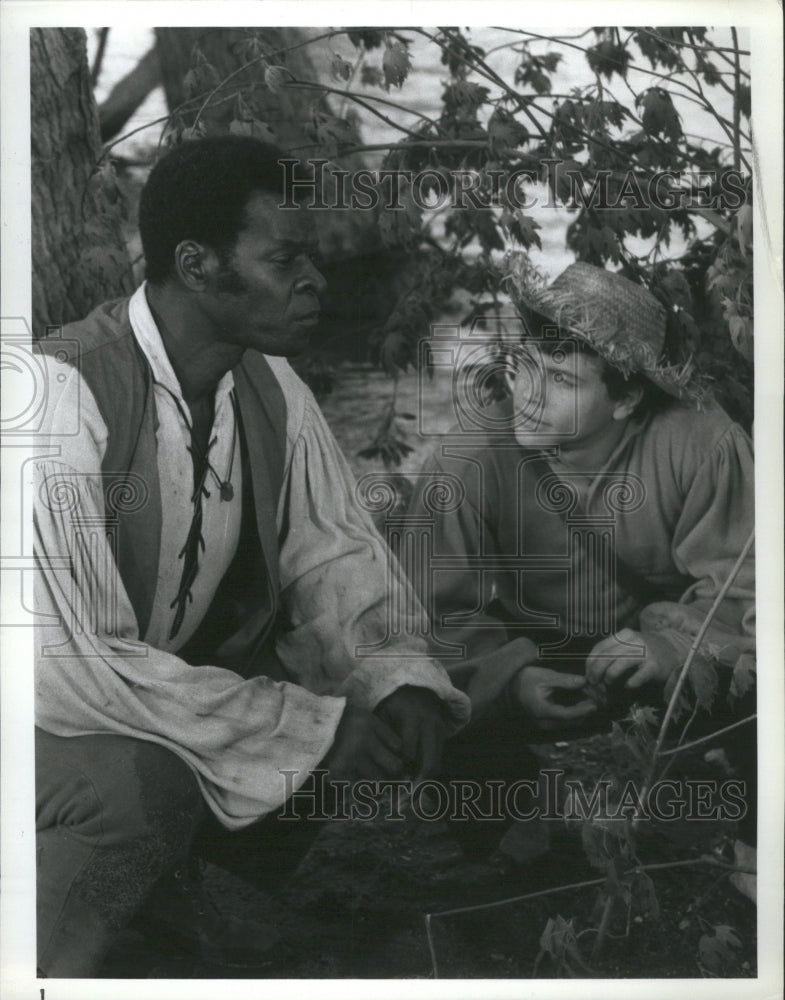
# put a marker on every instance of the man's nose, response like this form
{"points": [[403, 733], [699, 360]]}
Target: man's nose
{"points": [[312, 280]]}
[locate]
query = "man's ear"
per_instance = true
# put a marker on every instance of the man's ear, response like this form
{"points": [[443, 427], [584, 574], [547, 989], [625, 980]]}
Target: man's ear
{"points": [[193, 263], [625, 406]]}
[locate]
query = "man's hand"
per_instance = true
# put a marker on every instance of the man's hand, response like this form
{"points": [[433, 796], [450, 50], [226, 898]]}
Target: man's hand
{"points": [[538, 691], [364, 747], [612, 658], [415, 714]]}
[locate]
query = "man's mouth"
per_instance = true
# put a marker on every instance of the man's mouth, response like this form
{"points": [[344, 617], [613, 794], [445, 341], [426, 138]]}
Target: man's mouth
{"points": [[308, 317]]}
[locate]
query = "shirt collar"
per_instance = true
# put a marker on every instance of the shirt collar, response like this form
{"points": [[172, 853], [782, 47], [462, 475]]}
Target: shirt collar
{"points": [[149, 339]]}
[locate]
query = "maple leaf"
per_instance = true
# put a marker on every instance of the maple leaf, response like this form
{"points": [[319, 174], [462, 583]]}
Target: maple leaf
{"points": [[464, 98], [505, 133], [396, 64], [523, 229], [534, 70], [607, 58], [659, 115]]}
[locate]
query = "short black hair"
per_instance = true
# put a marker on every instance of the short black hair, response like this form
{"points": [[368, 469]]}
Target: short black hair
{"points": [[199, 191]]}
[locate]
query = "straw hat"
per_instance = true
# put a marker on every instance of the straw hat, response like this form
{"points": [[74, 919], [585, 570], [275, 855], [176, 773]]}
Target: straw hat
{"points": [[620, 320]]}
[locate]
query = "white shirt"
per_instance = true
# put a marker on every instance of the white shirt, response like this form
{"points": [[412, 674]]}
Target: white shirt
{"points": [[220, 519], [95, 673]]}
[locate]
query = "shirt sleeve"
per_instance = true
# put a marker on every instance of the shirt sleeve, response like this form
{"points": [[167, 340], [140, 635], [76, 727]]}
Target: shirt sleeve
{"points": [[487, 659], [94, 675], [716, 520], [341, 586]]}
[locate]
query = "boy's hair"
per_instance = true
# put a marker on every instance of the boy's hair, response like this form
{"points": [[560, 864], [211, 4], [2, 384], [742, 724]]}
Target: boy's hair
{"points": [[199, 191], [653, 399]]}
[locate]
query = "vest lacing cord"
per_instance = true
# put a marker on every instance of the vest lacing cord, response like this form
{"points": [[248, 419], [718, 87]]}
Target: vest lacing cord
{"points": [[190, 551], [195, 539]]}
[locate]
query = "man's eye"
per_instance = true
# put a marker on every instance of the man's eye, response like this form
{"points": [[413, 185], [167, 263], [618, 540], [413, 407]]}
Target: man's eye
{"points": [[558, 377]]}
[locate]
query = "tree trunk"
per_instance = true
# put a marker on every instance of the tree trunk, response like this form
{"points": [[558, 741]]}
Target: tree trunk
{"points": [[79, 256], [211, 55], [128, 93]]}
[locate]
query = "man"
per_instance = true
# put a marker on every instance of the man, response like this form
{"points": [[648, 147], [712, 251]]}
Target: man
{"points": [[206, 578], [603, 512]]}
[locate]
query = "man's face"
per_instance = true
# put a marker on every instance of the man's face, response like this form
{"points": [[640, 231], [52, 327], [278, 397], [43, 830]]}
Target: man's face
{"points": [[559, 397], [266, 296]]}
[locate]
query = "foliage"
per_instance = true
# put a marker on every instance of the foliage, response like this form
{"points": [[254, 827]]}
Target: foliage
{"points": [[599, 148]]}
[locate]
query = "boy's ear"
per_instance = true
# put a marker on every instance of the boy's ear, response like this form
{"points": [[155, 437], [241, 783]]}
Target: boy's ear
{"points": [[625, 407]]}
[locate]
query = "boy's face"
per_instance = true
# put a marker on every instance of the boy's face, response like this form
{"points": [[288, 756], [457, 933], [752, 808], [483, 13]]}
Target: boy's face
{"points": [[559, 397]]}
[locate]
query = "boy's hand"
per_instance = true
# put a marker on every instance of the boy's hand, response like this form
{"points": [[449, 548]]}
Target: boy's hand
{"points": [[415, 715], [612, 658], [542, 693]]}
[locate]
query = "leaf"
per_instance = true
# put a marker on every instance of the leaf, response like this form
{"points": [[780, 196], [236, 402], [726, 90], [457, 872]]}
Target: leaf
{"points": [[534, 71], [365, 38], [558, 940], [744, 672], [505, 133], [396, 64], [593, 840], [196, 131], [400, 227], [678, 291], [371, 76], [255, 128], [741, 335], [463, 98], [717, 952], [645, 895], [275, 77], [524, 229], [330, 132], [607, 58], [704, 681], [659, 115], [340, 68]]}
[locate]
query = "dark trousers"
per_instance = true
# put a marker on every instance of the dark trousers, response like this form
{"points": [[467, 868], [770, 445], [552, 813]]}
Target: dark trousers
{"points": [[114, 815]]}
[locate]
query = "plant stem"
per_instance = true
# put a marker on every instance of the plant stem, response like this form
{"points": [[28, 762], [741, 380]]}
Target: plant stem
{"points": [[660, 866], [682, 679], [711, 736], [602, 930], [736, 101], [431, 948]]}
